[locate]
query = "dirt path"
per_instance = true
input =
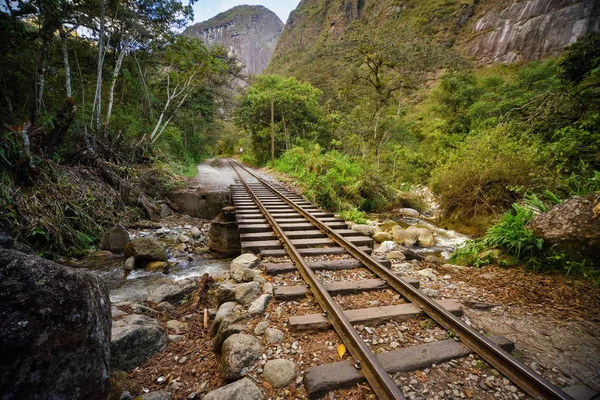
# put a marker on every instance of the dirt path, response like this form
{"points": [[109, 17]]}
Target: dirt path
{"points": [[214, 175]]}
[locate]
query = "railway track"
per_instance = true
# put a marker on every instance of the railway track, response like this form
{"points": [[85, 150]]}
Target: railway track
{"points": [[277, 223]]}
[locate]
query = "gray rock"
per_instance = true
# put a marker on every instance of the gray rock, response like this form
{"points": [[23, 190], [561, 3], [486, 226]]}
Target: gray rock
{"points": [[260, 327], [395, 255], [410, 236], [115, 239], [273, 335], [224, 310], [279, 373], [172, 292], [137, 308], [231, 324], [55, 331], [196, 233], [225, 293], [145, 250], [165, 211], [176, 338], [165, 306], [408, 212], [268, 288], [246, 260], [259, 305], [571, 229], [176, 326], [244, 389], [159, 395], [385, 247], [426, 238], [382, 237], [239, 351], [135, 338], [129, 265], [366, 230], [240, 268], [427, 273], [247, 292]]}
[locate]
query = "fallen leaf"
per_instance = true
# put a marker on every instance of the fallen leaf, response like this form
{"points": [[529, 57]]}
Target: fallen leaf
{"points": [[468, 393], [267, 385], [341, 350]]}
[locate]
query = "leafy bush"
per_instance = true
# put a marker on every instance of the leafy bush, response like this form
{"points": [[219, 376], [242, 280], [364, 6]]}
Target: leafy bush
{"points": [[334, 180], [354, 215], [479, 175], [517, 244]]}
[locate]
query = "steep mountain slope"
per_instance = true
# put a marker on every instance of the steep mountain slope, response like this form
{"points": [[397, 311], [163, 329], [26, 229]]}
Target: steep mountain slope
{"points": [[249, 32], [486, 30]]}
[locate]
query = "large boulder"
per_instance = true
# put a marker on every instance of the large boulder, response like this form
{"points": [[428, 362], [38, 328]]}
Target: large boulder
{"points": [[408, 212], [241, 268], [55, 331], [407, 237], [247, 292], [382, 237], [135, 338], [172, 291], [244, 389], [145, 250], [367, 230], [571, 228], [115, 239], [239, 352], [426, 238]]}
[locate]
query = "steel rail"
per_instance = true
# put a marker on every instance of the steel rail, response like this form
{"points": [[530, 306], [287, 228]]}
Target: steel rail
{"points": [[380, 381], [516, 371]]}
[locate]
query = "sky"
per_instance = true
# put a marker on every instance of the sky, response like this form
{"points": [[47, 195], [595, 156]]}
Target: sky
{"points": [[206, 9]]}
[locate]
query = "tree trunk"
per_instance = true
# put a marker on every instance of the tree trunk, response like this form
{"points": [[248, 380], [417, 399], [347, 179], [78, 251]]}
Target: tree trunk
{"points": [[40, 84], [111, 93], [64, 36], [98, 95]]}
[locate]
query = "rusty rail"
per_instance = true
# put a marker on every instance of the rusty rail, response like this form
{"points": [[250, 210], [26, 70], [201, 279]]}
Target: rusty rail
{"points": [[517, 372]]}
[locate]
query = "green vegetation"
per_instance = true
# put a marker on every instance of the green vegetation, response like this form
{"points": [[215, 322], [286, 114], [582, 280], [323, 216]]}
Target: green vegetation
{"points": [[334, 180], [91, 125], [509, 242], [480, 138]]}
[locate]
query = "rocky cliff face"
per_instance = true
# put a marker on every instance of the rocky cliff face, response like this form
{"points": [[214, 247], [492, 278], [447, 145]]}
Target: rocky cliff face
{"points": [[249, 32], [515, 30], [490, 31]]}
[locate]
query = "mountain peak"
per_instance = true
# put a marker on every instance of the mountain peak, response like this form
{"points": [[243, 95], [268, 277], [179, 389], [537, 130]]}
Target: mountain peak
{"points": [[250, 32]]}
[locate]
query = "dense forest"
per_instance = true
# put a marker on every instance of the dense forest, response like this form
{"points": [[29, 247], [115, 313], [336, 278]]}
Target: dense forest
{"points": [[101, 104]]}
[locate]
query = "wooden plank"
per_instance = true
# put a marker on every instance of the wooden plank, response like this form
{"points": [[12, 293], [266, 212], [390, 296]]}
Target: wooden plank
{"points": [[319, 251], [306, 234], [332, 265], [257, 246], [307, 225], [342, 288], [321, 379], [373, 316], [252, 228]]}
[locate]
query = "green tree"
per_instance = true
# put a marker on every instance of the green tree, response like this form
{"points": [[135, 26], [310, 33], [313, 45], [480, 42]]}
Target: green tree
{"points": [[298, 114]]}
